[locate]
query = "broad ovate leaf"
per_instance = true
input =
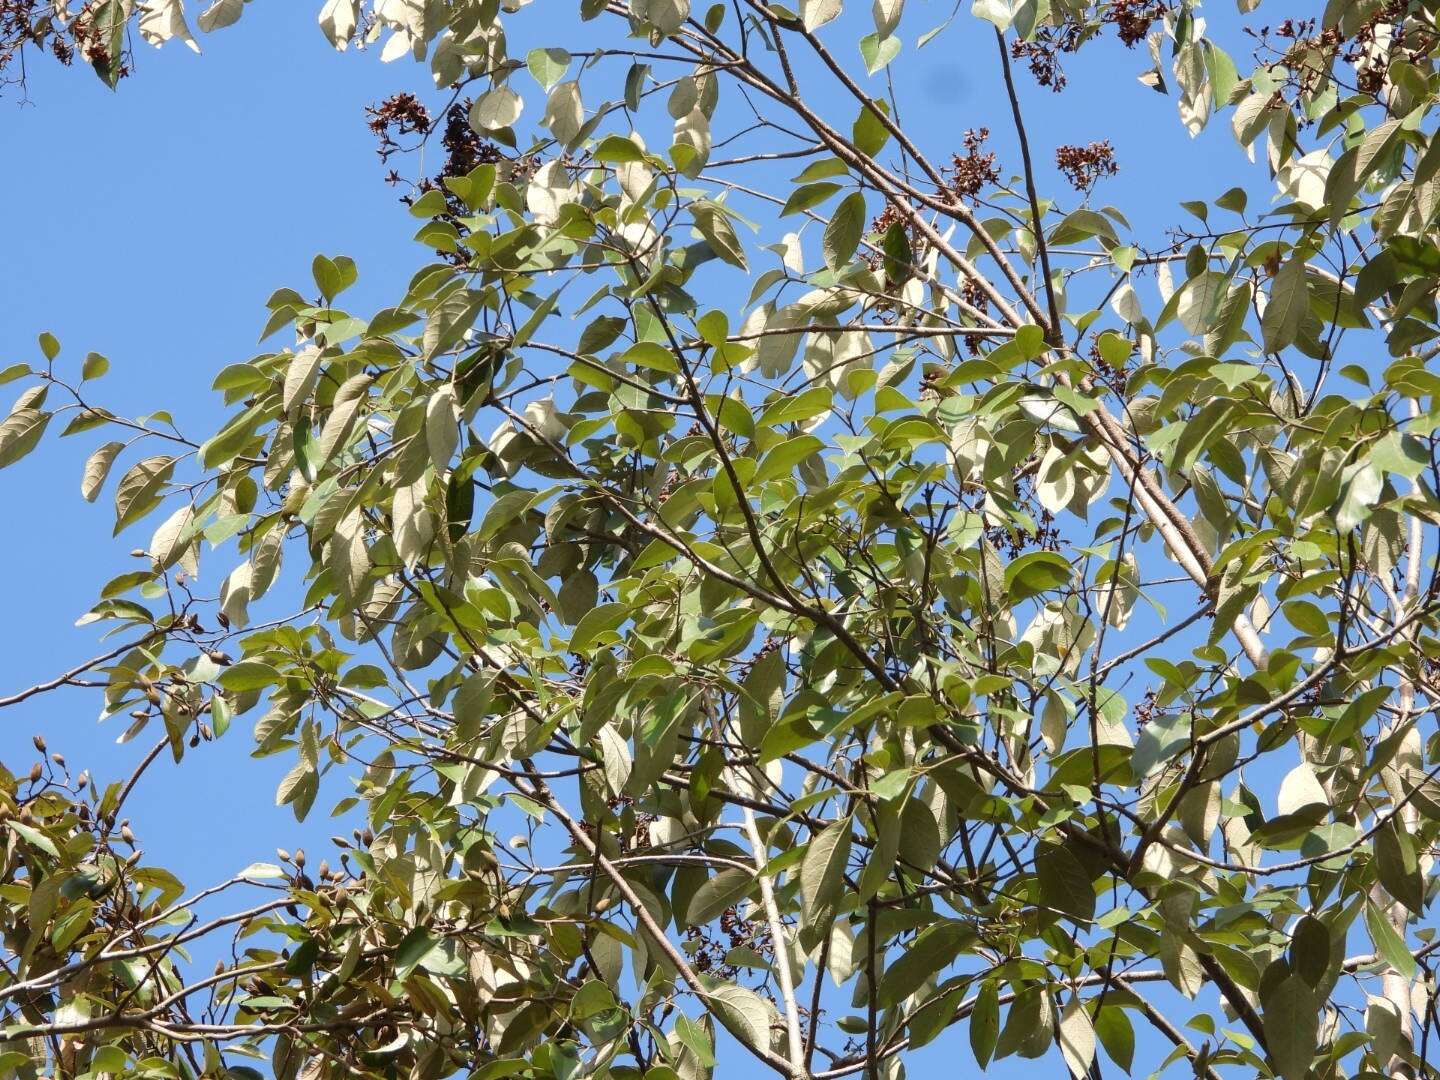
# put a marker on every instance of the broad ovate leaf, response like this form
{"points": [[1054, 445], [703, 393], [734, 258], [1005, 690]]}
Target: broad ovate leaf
{"points": [[495, 109], [338, 19]]}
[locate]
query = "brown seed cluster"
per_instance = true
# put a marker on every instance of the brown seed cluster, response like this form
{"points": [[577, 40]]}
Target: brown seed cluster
{"points": [[403, 115], [1042, 51], [1012, 541], [399, 114], [1306, 55], [975, 170], [33, 23], [710, 950], [974, 295], [1132, 20], [1086, 166]]}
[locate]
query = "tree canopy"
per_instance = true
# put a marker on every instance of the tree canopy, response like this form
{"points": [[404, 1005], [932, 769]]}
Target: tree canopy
{"points": [[766, 598]]}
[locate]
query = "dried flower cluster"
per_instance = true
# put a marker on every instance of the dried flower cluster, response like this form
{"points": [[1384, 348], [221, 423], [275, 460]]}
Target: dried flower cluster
{"points": [[33, 23], [399, 114], [404, 114], [1086, 166], [1132, 20], [1041, 52], [975, 170], [1306, 56], [712, 953]]}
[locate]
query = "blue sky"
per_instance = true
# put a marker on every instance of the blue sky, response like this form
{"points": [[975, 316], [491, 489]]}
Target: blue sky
{"points": [[151, 224]]}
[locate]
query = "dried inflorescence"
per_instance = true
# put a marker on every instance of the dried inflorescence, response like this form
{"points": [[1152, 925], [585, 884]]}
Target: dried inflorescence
{"points": [[464, 148], [975, 170], [711, 950], [399, 114], [1132, 20], [974, 295], [404, 114], [1086, 166], [1010, 540], [35, 23], [1307, 55], [1041, 52]]}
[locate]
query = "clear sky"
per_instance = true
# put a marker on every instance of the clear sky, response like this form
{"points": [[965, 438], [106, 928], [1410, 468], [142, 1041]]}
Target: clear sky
{"points": [[151, 224]]}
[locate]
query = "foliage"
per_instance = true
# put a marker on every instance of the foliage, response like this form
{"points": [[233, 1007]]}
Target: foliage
{"points": [[941, 643]]}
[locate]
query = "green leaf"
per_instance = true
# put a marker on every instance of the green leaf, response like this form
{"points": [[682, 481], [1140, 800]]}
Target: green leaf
{"points": [[714, 225], [95, 366], [807, 196], [1064, 883], [743, 1013], [877, 52], [694, 1037], [1288, 306], [1388, 942], [20, 433], [616, 150], [843, 230], [248, 675], [34, 837], [822, 873], [1000, 13], [933, 951], [719, 891], [138, 491], [1291, 1015], [548, 66], [985, 1023], [1116, 1035], [602, 620], [1398, 867], [1035, 573], [816, 13], [413, 948], [97, 468], [327, 277], [1161, 739], [870, 133]]}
